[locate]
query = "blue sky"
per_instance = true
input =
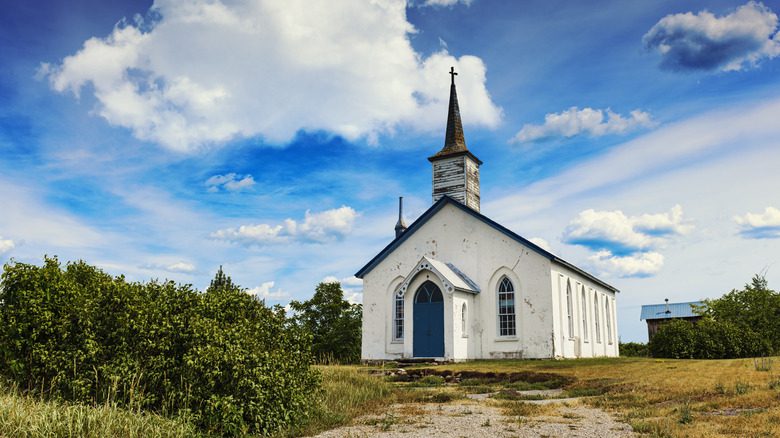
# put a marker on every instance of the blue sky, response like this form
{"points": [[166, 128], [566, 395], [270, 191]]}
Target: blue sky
{"points": [[635, 139]]}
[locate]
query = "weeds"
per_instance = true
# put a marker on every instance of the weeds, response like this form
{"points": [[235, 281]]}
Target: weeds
{"points": [[741, 388]]}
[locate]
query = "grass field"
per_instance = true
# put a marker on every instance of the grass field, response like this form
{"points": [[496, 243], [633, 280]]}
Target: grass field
{"points": [[660, 398], [666, 398]]}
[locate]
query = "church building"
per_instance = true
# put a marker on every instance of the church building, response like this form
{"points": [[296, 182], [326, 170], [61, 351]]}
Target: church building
{"points": [[455, 285]]}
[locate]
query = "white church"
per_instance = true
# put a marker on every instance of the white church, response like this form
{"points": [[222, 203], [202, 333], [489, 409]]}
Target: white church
{"points": [[455, 285]]}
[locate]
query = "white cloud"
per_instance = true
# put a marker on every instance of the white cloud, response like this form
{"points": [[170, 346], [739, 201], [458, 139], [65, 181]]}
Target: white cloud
{"points": [[205, 72], [346, 282], [541, 243], [322, 227], [6, 245], [181, 267], [616, 232], [175, 267], [703, 41], [230, 182], [586, 121], [764, 225], [643, 264], [266, 291]]}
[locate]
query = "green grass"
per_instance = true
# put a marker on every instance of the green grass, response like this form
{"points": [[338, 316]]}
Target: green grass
{"points": [[25, 417]]}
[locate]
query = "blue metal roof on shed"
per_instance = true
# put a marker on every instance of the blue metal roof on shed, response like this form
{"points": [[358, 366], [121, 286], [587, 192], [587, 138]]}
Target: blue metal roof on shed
{"points": [[676, 310]]}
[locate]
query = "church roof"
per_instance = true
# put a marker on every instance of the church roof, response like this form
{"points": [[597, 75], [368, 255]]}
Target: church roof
{"points": [[441, 203], [454, 140]]}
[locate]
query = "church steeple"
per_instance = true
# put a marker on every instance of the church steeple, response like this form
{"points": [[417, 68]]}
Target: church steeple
{"points": [[455, 168]]}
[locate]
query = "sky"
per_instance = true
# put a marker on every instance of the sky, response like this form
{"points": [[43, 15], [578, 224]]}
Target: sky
{"points": [[639, 140]]}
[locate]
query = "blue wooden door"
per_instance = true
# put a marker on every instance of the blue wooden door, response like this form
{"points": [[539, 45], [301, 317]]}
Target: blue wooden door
{"points": [[428, 311]]}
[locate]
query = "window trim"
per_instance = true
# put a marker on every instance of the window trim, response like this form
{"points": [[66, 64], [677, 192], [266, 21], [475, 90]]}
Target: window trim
{"points": [[513, 314], [608, 316]]}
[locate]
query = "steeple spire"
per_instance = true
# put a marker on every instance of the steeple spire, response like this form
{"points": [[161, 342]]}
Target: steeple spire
{"points": [[454, 141]]}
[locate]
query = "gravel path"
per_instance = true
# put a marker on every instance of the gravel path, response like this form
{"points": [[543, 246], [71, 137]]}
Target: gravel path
{"points": [[477, 418]]}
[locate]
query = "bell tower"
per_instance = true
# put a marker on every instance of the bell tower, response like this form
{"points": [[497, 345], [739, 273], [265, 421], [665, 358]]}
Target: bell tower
{"points": [[455, 168]]}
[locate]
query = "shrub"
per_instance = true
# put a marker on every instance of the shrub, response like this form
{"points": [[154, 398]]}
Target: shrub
{"points": [[675, 339], [221, 358], [708, 339], [633, 349]]}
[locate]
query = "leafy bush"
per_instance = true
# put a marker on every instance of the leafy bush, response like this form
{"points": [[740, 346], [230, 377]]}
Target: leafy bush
{"points": [[755, 308], [335, 324], [675, 339], [221, 358], [707, 339], [633, 349]]}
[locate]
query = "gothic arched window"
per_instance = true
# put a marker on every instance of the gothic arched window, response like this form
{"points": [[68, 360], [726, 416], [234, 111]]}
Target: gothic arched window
{"points": [[584, 312], [398, 318], [569, 314], [464, 328], [596, 317], [506, 308], [608, 316]]}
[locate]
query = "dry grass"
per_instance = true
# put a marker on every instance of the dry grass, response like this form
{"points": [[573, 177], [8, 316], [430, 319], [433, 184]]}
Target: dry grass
{"points": [[348, 392], [686, 398], [25, 417]]}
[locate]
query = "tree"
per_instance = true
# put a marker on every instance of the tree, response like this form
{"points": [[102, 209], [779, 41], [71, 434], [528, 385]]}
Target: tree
{"points": [[755, 308], [334, 323]]}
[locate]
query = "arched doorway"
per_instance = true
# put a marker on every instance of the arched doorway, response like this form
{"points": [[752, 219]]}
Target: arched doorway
{"points": [[428, 318]]}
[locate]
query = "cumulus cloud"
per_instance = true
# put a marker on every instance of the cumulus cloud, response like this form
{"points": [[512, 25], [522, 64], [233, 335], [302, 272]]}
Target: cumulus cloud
{"points": [[230, 182], [267, 292], [177, 267], [643, 264], [6, 245], [616, 232], [625, 245], [204, 72], [586, 121], [322, 227], [764, 225], [703, 41]]}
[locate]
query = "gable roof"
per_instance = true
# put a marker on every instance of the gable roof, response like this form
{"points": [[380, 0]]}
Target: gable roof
{"points": [[676, 310], [445, 200], [451, 276]]}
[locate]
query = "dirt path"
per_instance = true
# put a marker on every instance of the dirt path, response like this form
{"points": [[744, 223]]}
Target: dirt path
{"points": [[481, 418]]}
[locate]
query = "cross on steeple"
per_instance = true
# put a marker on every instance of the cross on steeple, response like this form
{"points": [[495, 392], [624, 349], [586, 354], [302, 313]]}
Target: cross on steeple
{"points": [[453, 74]]}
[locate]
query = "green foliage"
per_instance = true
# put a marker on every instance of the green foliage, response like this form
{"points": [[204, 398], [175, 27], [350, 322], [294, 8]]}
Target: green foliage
{"points": [[633, 349], [755, 308], [221, 358], [675, 339], [334, 323], [742, 323]]}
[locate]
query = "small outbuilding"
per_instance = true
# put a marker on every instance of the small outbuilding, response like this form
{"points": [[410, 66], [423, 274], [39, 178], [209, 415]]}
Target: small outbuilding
{"points": [[658, 314]]}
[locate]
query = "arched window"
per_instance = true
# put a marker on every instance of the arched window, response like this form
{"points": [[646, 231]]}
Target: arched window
{"points": [[568, 309], [398, 318], [464, 328], [596, 317], [506, 308], [584, 312], [608, 316], [428, 293]]}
